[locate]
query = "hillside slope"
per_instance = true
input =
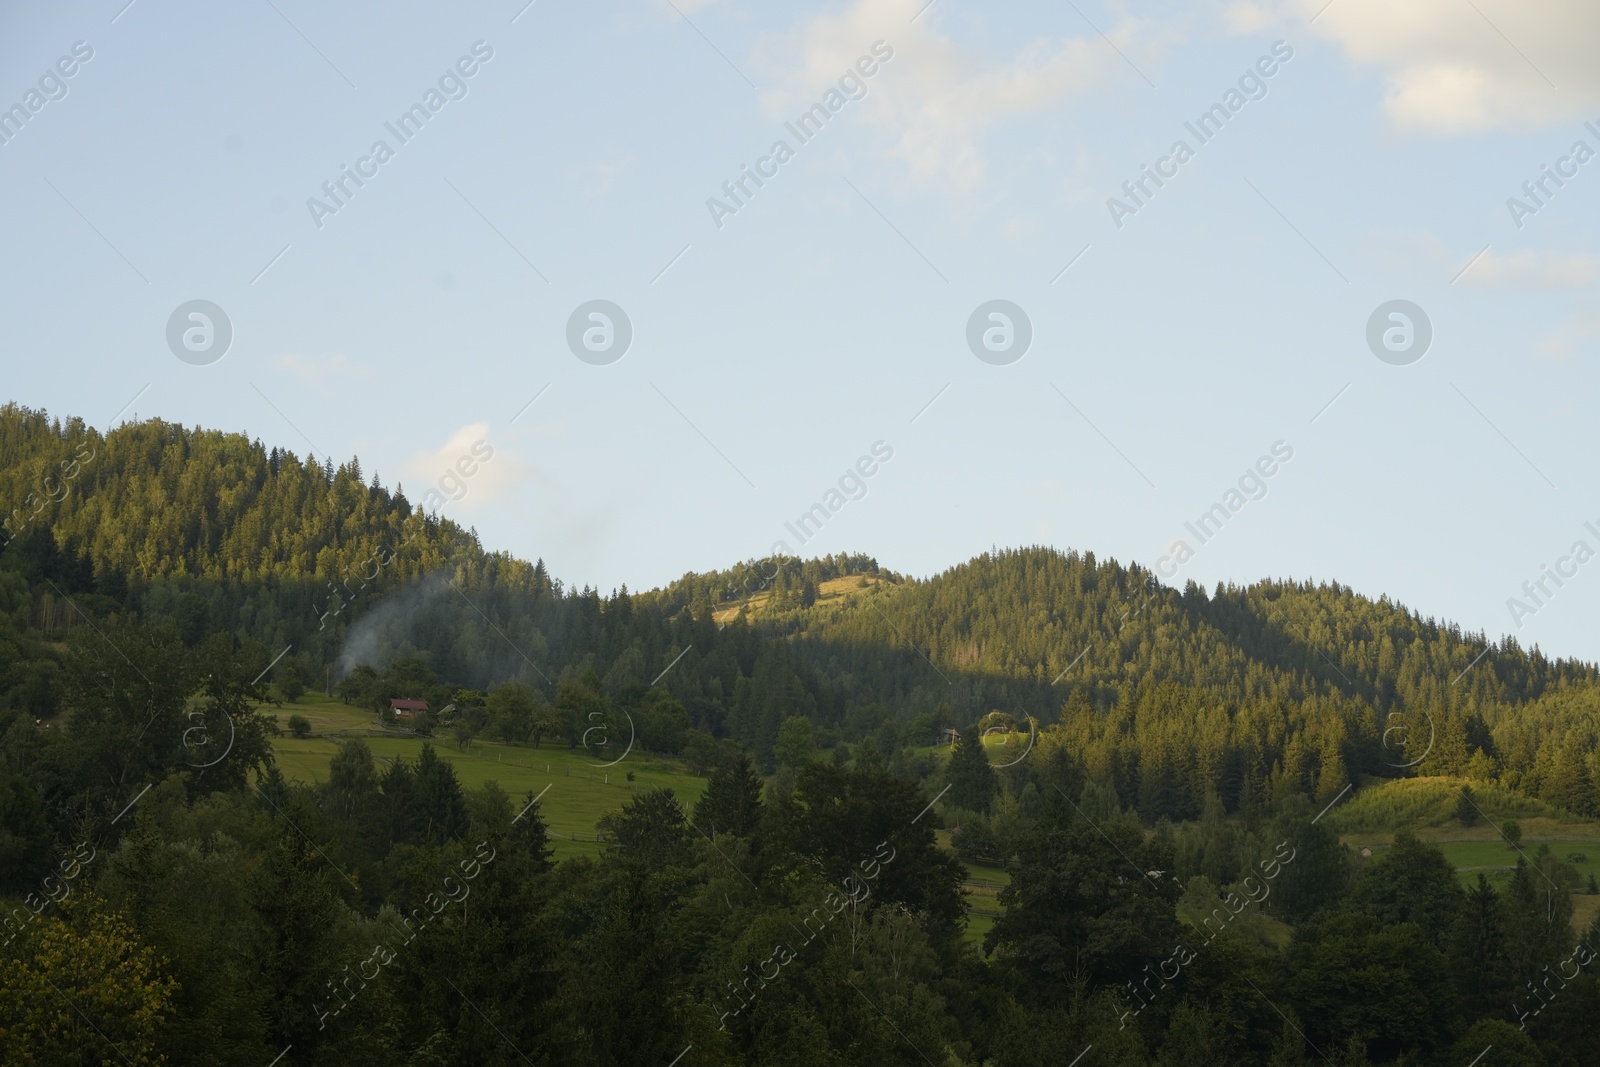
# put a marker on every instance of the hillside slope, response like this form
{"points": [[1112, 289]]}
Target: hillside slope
{"points": [[1172, 693]]}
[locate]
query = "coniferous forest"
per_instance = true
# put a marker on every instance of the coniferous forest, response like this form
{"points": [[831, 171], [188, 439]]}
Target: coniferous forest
{"points": [[1037, 809]]}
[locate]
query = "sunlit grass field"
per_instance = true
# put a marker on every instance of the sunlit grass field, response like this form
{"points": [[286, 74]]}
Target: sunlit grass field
{"points": [[578, 793]]}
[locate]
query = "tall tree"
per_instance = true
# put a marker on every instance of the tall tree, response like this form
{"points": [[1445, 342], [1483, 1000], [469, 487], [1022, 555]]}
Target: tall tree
{"points": [[731, 803], [972, 780]]}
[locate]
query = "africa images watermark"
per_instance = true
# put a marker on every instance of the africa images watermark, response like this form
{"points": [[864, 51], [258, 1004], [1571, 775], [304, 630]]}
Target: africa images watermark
{"points": [[451, 484], [856, 892], [852, 86], [452, 86], [1252, 86], [1229, 906], [1579, 154], [382, 955], [852, 486], [1579, 554], [33, 504], [52, 86], [1252, 485]]}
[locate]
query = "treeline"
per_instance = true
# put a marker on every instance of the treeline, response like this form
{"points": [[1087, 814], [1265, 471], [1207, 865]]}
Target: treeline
{"points": [[1251, 693], [175, 898]]}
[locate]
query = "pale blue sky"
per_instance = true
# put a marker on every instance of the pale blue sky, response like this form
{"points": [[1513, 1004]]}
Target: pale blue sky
{"points": [[825, 315]]}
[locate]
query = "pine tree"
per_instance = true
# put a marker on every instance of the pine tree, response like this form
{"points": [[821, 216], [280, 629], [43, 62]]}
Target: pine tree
{"points": [[441, 810], [1333, 777], [972, 780], [1477, 951], [732, 800]]}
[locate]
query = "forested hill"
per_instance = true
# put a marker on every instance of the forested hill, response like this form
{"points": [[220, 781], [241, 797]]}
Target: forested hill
{"points": [[1052, 620], [1173, 692]]}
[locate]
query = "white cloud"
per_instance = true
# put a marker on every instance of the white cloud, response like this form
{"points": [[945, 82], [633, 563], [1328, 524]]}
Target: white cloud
{"points": [[937, 95], [1580, 332], [1534, 270], [1527, 269], [468, 471], [314, 372], [1455, 66]]}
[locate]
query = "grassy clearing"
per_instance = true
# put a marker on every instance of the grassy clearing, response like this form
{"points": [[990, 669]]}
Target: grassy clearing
{"points": [[982, 890], [1426, 807], [579, 792], [1420, 803], [983, 897], [835, 590]]}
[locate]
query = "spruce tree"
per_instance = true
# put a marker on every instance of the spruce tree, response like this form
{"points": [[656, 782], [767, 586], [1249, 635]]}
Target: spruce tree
{"points": [[1476, 949], [732, 800], [972, 781]]}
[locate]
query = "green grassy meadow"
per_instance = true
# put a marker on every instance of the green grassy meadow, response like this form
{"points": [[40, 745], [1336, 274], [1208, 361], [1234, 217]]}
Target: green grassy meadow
{"points": [[1425, 806], [576, 792]]}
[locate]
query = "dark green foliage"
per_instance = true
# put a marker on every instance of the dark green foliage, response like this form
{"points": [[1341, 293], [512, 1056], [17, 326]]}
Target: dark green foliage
{"points": [[796, 742], [972, 780], [731, 803], [440, 809], [1198, 736], [1512, 1047], [1319, 875], [651, 828], [662, 722], [512, 709], [842, 821], [1479, 953], [291, 676], [1083, 904], [299, 726], [25, 840], [1410, 883], [1386, 986]]}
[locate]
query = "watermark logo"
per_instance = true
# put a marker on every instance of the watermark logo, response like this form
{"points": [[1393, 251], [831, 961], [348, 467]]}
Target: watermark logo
{"points": [[1252, 86], [603, 731], [1397, 728], [1566, 167], [52, 87], [1538, 590], [999, 332], [452, 85], [599, 332], [852, 86], [1399, 332], [199, 332], [197, 739], [1006, 733]]}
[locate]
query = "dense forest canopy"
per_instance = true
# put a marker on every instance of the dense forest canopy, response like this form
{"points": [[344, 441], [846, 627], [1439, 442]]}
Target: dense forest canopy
{"points": [[1173, 893]]}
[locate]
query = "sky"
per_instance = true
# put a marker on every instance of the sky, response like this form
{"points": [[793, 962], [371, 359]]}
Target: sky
{"points": [[1344, 319]]}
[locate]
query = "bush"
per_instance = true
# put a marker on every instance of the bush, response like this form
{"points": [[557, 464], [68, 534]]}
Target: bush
{"points": [[1414, 803], [975, 841], [299, 726]]}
